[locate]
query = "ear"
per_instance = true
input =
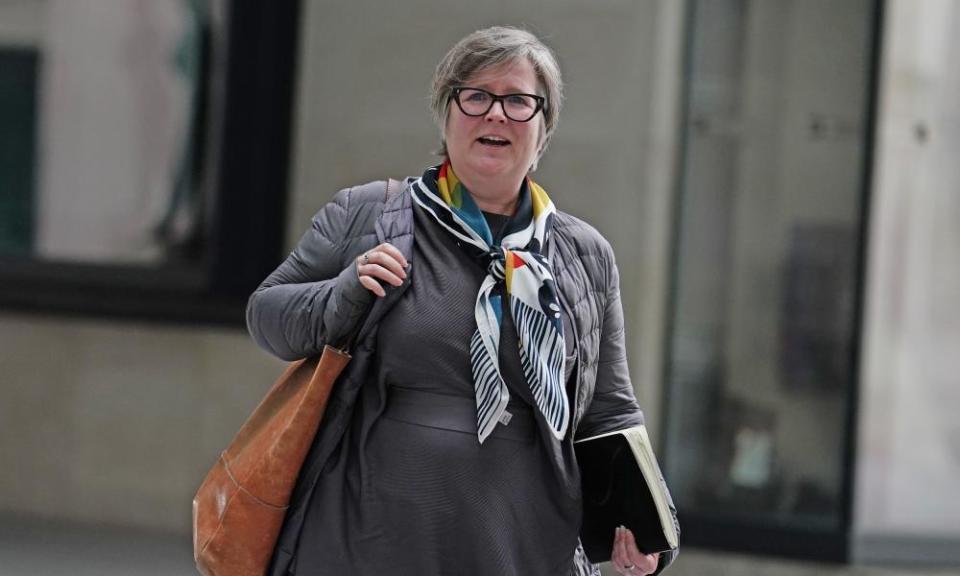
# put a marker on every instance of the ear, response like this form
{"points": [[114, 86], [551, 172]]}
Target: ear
{"points": [[542, 136], [536, 162], [541, 146]]}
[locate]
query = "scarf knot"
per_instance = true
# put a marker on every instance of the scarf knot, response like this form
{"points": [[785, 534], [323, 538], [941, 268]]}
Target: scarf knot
{"points": [[496, 266]]}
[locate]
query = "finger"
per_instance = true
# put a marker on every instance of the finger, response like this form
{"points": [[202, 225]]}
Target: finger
{"points": [[379, 272], [634, 555], [629, 566], [648, 566], [373, 286], [385, 260], [654, 562], [646, 562], [393, 251], [622, 548], [615, 558]]}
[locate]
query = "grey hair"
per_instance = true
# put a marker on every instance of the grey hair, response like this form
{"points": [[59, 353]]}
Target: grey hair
{"points": [[490, 48]]}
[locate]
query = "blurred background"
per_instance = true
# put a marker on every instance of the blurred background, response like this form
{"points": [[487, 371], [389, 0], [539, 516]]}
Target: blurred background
{"points": [[779, 180]]}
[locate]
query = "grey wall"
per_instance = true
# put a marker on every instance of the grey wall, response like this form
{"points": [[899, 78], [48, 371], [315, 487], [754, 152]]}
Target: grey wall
{"points": [[908, 470], [22, 23], [117, 423]]}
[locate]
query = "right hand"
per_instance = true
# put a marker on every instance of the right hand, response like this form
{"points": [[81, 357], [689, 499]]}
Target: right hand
{"points": [[385, 263], [627, 558]]}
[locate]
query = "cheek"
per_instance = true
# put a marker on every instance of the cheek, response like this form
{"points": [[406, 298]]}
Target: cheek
{"points": [[455, 131], [450, 129], [534, 137]]}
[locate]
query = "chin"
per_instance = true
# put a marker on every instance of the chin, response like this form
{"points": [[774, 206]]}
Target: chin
{"points": [[487, 166]]}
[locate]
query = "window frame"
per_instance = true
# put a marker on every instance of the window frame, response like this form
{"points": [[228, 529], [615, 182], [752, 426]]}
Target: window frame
{"points": [[250, 124]]}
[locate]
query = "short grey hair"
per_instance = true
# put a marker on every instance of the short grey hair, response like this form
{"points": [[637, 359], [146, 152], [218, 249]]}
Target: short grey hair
{"points": [[490, 48]]}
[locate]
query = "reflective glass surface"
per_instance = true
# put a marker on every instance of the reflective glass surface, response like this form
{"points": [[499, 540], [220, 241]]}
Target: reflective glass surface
{"points": [[103, 116], [760, 366]]}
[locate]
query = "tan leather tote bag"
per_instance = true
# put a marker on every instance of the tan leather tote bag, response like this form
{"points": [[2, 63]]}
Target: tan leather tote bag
{"points": [[239, 509]]}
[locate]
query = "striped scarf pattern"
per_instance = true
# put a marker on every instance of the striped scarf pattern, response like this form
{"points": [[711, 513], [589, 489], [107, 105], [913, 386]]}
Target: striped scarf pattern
{"points": [[516, 264]]}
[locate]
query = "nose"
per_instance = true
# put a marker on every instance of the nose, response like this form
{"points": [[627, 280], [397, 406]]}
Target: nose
{"points": [[496, 113]]}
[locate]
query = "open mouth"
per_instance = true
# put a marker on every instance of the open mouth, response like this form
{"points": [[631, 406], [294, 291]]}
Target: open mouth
{"points": [[493, 141]]}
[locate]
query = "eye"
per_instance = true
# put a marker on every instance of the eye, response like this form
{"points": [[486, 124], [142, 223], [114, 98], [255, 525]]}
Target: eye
{"points": [[520, 101], [474, 96]]}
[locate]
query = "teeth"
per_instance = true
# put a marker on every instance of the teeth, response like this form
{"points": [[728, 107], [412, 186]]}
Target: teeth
{"points": [[494, 139]]}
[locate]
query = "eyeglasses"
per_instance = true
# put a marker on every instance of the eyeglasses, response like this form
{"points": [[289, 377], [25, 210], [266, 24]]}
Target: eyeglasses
{"points": [[517, 107]]}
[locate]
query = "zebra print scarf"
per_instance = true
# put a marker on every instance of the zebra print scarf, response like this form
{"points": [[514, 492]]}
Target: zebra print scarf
{"points": [[517, 265]]}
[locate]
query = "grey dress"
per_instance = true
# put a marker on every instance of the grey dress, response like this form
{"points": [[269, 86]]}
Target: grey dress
{"points": [[419, 494]]}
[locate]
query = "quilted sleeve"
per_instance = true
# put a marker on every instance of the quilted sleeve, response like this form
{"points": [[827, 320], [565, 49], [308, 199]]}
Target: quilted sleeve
{"points": [[614, 404], [314, 297]]}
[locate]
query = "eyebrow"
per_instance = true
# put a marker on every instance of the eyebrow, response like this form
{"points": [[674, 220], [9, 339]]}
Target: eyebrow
{"points": [[513, 89]]}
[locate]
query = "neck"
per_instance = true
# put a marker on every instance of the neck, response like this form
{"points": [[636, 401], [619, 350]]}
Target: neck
{"points": [[497, 196]]}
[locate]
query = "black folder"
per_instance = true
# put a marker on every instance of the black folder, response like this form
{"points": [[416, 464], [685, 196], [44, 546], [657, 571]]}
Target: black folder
{"points": [[622, 485]]}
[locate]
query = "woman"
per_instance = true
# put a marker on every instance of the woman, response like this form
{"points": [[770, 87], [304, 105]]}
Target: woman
{"points": [[490, 334]]}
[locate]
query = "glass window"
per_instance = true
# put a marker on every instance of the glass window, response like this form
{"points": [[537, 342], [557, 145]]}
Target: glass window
{"points": [[769, 223], [143, 154], [101, 104]]}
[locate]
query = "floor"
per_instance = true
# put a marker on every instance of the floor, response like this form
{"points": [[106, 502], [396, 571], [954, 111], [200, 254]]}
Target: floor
{"points": [[702, 563], [37, 548]]}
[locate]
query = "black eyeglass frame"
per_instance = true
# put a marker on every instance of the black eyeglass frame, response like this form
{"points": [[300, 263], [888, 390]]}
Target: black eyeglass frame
{"points": [[494, 98]]}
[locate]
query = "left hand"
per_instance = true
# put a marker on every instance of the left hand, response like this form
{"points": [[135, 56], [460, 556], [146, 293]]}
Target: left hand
{"points": [[628, 559], [383, 264]]}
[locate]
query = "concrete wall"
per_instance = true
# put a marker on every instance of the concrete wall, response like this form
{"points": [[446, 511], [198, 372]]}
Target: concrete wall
{"points": [[908, 471], [22, 23], [117, 422]]}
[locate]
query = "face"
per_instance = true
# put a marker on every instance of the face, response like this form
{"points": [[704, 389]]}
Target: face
{"points": [[474, 156]]}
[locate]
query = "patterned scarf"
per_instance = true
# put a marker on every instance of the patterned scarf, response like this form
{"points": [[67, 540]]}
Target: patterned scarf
{"points": [[517, 265]]}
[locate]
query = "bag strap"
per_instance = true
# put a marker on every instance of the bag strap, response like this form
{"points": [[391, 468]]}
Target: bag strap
{"points": [[392, 186]]}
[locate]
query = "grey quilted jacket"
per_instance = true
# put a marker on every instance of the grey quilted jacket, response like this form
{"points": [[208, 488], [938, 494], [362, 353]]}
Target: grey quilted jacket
{"points": [[314, 298]]}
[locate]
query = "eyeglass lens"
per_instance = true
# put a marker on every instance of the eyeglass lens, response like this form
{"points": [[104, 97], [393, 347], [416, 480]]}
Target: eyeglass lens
{"points": [[518, 107]]}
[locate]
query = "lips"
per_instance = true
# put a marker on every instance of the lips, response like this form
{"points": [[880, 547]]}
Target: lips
{"points": [[492, 140]]}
